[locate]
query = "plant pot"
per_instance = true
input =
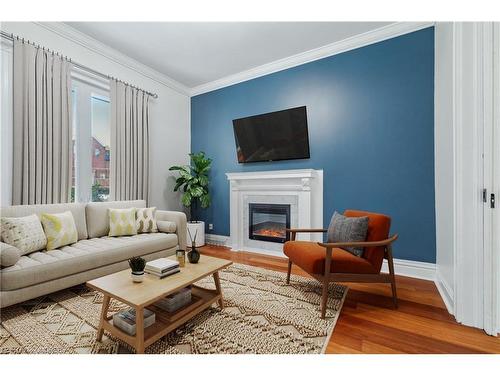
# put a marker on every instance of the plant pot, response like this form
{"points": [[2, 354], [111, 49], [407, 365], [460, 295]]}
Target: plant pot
{"points": [[137, 277], [196, 228]]}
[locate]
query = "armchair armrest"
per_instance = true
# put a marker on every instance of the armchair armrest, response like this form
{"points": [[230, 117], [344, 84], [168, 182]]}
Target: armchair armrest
{"points": [[180, 220], [298, 230], [360, 243]]}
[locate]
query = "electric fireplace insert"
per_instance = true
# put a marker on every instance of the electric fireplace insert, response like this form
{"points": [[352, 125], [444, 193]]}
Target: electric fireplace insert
{"points": [[268, 222]]}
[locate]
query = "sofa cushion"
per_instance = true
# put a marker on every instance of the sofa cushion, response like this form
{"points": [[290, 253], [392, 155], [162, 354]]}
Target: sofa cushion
{"points": [[82, 256], [25, 233], [122, 222], [311, 258], [60, 229], [77, 209], [98, 216], [145, 220]]}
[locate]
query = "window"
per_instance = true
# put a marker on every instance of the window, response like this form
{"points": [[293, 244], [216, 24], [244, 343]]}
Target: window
{"points": [[91, 139]]}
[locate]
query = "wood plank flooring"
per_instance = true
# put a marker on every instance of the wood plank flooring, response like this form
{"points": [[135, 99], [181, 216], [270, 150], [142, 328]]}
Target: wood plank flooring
{"points": [[369, 323]]}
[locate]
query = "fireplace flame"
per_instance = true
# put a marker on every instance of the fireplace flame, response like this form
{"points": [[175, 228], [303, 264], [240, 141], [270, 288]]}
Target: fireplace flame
{"points": [[271, 232]]}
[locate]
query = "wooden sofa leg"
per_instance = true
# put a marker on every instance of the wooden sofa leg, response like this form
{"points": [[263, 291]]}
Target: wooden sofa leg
{"points": [[289, 271]]}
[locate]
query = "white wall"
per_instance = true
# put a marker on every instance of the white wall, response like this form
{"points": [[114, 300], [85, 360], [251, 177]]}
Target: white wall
{"points": [[444, 161], [170, 112]]}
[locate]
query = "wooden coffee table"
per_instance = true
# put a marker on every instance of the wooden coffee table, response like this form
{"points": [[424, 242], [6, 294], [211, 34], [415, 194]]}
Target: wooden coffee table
{"points": [[119, 285]]}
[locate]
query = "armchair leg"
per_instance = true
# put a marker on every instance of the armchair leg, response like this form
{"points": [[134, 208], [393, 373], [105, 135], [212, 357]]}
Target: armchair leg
{"points": [[390, 263], [289, 271]]}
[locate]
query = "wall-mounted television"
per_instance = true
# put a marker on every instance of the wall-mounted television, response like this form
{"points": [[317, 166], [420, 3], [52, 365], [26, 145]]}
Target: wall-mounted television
{"points": [[280, 135]]}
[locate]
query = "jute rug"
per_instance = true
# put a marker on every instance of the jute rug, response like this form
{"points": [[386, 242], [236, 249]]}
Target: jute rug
{"points": [[262, 315]]}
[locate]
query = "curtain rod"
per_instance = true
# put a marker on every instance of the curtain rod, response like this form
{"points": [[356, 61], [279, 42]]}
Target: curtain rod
{"points": [[79, 66]]}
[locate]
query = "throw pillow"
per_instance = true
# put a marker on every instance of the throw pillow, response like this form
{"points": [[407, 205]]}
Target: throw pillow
{"points": [[60, 229], [9, 255], [146, 222], [348, 229], [122, 222], [25, 233], [166, 226]]}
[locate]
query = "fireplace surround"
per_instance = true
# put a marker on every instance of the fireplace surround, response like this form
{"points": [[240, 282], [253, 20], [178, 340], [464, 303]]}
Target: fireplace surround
{"points": [[300, 189]]}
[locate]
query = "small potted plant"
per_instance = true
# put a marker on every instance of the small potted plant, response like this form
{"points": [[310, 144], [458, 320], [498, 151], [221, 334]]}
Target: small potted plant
{"points": [[137, 265]]}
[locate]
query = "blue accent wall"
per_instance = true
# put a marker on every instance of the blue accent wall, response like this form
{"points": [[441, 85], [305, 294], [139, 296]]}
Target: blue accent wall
{"points": [[371, 129]]}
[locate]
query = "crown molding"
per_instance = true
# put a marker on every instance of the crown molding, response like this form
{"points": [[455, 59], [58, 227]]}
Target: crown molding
{"points": [[108, 52], [374, 36]]}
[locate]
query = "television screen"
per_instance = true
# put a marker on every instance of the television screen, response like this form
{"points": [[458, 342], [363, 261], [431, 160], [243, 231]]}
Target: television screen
{"points": [[280, 135]]}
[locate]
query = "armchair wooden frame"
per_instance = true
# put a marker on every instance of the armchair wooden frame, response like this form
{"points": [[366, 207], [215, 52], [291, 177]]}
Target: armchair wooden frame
{"points": [[327, 277]]}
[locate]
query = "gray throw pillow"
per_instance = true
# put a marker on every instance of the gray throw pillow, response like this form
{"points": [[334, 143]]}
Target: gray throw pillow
{"points": [[348, 229]]}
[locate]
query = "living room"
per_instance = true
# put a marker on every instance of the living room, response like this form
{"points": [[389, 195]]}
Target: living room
{"points": [[292, 185]]}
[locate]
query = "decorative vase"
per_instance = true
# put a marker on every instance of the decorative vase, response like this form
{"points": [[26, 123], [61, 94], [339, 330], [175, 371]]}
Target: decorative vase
{"points": [[193, 255], [137, 277]]}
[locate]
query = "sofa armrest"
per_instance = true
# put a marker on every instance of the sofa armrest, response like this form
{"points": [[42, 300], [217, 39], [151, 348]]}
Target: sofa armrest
{"points": [[9, 255], [180, 220]]}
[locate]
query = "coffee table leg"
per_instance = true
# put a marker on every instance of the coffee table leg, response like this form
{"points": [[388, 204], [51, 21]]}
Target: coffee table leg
{"points": [[104, 315], [139, 323], [218, 289]]}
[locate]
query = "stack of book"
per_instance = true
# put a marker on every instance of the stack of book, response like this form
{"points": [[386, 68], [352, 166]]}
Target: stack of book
{"points": [[125, 320], [162, 267], [175, 301]]}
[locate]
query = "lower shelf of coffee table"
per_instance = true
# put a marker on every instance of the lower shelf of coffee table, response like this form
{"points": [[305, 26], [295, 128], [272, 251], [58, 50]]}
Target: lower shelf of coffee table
{"points": [[165, 322]]}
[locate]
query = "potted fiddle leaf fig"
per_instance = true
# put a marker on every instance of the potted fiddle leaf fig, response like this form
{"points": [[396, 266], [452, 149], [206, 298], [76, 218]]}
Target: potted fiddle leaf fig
{"points": [[193, 182]]}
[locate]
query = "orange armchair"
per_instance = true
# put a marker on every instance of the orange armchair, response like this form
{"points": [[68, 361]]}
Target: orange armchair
{"points": [[327, 262]]}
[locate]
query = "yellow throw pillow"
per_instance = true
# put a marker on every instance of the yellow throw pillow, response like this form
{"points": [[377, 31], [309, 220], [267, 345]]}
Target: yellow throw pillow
{"points": [[60, 229], [122, 222], [146, 222]]}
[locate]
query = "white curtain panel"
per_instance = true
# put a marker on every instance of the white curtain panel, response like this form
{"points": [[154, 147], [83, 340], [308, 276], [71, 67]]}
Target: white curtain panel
{"points": [[42, 157], [129, 157]]}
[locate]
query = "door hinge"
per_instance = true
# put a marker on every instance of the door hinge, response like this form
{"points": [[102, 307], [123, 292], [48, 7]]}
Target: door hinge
{"points": [[485, 195], [492, 200]]}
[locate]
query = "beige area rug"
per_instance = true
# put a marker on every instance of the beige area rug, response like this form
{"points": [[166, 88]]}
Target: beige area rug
{"points": [[262, 315]]}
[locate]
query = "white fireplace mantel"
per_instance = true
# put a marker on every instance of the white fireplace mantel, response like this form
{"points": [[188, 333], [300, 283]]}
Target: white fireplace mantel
{"points": [[302, 188]]}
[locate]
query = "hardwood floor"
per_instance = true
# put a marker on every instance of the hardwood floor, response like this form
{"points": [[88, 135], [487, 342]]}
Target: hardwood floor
{"points": [[369, 323]]}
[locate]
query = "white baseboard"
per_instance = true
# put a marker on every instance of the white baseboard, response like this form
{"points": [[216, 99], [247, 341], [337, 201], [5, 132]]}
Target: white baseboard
{"points": [[412, 268], [217, 239], [402, 267], [445, 292]]}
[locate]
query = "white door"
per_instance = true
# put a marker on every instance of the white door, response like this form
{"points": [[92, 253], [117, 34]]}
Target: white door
{"points": [[491, 192]]}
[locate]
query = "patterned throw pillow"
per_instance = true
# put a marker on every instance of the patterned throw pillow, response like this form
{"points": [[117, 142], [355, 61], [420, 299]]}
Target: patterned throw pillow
{"points": [[25, 233], [60, 229], [122, 222], [348, 229], [146, 222]]}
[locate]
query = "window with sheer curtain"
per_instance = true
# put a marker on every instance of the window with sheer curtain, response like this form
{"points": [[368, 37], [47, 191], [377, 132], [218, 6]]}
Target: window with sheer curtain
{"points": [[91, 139]]}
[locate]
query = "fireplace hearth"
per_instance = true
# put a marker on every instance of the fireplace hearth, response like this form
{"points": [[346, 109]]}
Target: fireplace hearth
{"points": [[268, 222]]}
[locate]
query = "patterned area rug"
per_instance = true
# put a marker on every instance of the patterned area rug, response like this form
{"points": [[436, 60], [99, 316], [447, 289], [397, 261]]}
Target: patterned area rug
{"points": [[262, 315]]}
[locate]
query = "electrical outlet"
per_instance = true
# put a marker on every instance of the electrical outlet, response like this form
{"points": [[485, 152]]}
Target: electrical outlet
{"points": [[210, 226]]}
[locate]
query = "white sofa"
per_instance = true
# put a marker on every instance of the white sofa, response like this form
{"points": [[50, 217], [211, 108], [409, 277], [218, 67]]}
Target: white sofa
{"points": [[94, 255]]}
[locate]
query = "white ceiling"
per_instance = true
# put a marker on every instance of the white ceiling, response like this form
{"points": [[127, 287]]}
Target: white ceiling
{"points": [[195, 53]]}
